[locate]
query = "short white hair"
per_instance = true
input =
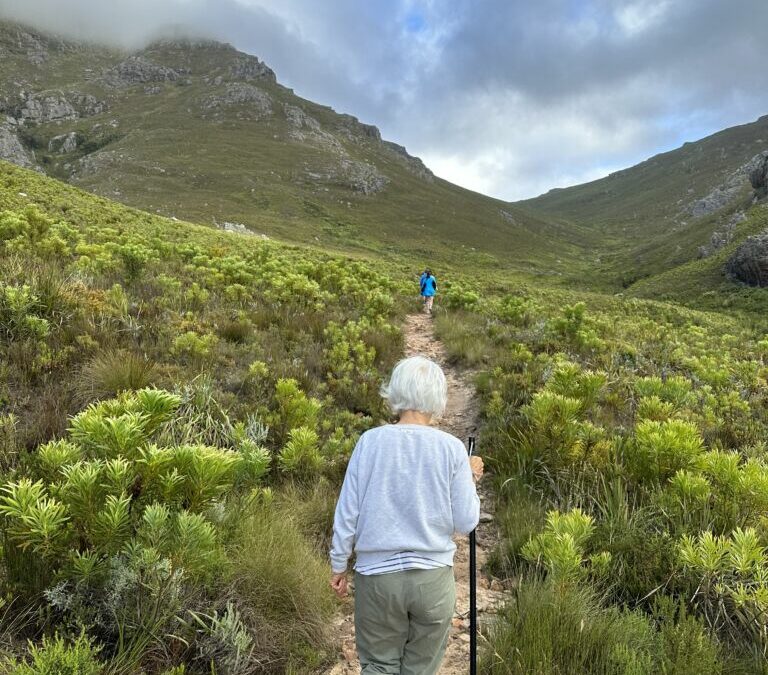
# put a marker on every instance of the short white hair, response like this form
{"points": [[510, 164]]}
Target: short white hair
{"points": [[417, 384]]}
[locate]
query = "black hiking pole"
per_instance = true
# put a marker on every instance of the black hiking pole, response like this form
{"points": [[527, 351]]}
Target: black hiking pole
{"points": [[472, 591]]}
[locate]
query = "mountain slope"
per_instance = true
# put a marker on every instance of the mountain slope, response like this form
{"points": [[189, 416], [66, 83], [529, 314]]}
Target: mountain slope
{"points": [[198, 130], [653, 216]]}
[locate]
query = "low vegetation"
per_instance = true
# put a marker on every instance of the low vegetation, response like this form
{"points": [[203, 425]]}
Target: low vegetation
{"points": [[177, 406], [628, 444]]}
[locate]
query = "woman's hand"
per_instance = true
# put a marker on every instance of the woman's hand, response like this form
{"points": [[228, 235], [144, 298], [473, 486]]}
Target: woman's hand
{"points": [[339, 584], [476, 464]]}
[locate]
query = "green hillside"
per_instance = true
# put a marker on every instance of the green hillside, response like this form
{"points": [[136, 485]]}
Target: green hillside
{"points": [[199, 131], [178, 405], [179, 402], [648, 218]]}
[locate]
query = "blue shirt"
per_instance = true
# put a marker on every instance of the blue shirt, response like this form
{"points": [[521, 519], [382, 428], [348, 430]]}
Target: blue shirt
{"points": [[429, 286]]}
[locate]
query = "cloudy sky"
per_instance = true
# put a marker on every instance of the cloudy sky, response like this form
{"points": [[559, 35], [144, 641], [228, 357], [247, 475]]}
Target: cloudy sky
{"points": [[508, 97]]}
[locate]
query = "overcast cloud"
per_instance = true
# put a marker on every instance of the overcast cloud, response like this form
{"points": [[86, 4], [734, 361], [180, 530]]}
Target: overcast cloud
{"points": [[507, 97]]}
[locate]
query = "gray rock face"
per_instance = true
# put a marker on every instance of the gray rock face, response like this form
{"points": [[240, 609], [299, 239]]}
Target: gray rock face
{"points": [[250, 68], [722, 237], [54, 106], [63, 143], [355, 130], [298, 119], [137, 70], [413, 164], [237, 93], [754, 170], [87, 104], [50, 107], [362, 177], [750, 261], [304, 128], [721, 196], [22, 41], [11, 148], [757, 171]]}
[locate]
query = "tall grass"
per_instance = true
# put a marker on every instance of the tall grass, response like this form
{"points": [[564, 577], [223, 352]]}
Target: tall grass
{"points": [[280, 584], [549, 629], [114, 371]]}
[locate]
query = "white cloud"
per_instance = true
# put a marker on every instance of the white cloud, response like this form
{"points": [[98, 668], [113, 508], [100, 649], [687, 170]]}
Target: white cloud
{"points": [[636, 17]]}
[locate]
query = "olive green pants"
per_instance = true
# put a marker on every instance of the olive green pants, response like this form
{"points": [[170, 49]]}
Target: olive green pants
{"points": [[402, 620]]}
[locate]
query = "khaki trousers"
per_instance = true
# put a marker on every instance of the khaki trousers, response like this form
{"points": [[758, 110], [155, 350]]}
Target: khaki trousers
{"points": [[402, 620]]}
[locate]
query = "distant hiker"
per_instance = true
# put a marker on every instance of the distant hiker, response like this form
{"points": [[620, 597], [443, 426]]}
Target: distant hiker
{"points": [[408, 489], [422, 279], [428, 290]]}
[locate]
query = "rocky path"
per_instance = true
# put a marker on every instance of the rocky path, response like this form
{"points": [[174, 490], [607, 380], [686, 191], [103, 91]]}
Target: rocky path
{"points": [[461, 421]]}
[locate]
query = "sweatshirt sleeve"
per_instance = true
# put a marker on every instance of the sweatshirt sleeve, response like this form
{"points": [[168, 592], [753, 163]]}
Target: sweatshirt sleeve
{"points": [[345, 519], [465, 504]]}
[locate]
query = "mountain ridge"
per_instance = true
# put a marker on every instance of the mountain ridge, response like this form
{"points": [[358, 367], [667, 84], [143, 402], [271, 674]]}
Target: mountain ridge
{"points": [[197, 130]]}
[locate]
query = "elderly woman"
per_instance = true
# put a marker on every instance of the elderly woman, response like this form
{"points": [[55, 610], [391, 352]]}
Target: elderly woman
{"points": [[408, 489]]}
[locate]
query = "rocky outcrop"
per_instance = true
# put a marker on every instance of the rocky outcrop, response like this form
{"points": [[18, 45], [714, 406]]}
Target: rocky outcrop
{"points": [[723, 236], [250, 68], [757, 171], [63, 144], [720, 196], [11, 148], [355, 130], [298, 119], [754, 171], [239, 228], [362, 177], [259, 103], [749, 263], [46, 107], [87, 104], [413, 164], [303, 128], [21, 41], [137, 70], [54, 106]]}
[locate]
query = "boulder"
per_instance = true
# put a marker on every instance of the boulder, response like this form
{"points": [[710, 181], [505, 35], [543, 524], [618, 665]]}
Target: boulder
{"points": [[749, 263]]}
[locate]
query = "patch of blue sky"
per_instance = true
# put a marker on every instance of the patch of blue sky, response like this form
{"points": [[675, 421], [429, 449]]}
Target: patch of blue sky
{"points": [[415, 22]]}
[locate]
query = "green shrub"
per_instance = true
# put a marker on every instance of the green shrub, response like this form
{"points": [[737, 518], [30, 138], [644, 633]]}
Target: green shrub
{"points": [[55, 656], [293, 409], [561, 547], [300, 457]]}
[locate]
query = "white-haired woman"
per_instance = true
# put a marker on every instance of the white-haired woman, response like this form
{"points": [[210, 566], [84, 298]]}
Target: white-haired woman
{"points": [[408, 489]]}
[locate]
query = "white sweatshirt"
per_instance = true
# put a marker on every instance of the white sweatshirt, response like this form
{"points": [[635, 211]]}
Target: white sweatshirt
{"points": [[408, 488]]}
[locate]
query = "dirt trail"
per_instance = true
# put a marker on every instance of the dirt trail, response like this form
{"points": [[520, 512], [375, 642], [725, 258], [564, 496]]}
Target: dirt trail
{"points": [[460, 420]]}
